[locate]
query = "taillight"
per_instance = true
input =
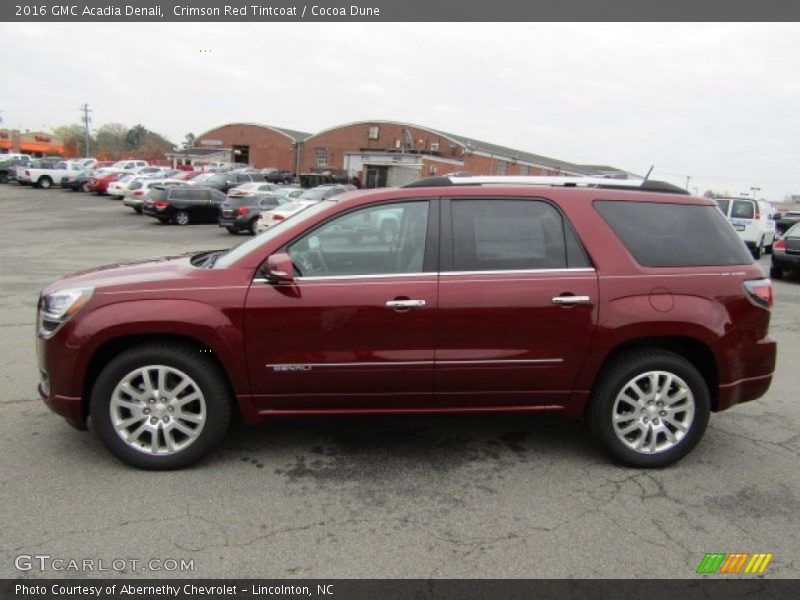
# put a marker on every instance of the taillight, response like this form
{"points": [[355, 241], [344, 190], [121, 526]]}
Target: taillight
{"points": [[779, 245], [242, 210], [138, 192], [758, 212], [278, 217], [759, 291], [161, 205]]}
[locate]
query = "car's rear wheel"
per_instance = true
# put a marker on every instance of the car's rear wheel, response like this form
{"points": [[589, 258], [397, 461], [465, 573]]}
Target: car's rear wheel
{"points": [[85, 188], [232, 230], [776, 272], [138, 209], [759, 249], [44, 183], [649, 408], [160, 406], [182, 217]]}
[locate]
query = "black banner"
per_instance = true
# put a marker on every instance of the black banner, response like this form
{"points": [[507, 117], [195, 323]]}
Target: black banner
{"points": [[710, 588], [396, 10]]}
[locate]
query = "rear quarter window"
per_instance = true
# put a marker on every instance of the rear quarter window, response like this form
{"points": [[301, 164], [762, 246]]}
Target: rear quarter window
{"points": [[674, 235]]}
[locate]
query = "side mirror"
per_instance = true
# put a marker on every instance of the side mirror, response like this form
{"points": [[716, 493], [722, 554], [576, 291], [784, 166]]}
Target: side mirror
{"points": [[280, 269]]}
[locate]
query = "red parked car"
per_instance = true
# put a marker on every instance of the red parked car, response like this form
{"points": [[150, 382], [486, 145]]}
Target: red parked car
{"points": [[98, 183], [631, 305]]}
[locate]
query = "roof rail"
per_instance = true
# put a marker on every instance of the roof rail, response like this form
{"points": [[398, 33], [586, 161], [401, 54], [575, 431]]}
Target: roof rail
{"points": [[597, 182]]}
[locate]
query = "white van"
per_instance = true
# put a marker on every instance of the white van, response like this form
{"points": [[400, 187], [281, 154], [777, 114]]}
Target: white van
{"points": [[753, 220]]}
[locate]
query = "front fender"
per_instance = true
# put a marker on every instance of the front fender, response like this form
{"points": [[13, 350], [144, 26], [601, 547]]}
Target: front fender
{"points": [[216, 329]]}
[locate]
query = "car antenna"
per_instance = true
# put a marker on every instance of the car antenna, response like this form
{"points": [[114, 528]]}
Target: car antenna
{"points": [[646, 177]]}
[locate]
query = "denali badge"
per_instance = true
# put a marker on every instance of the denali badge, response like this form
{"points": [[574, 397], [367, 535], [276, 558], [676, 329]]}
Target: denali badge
{"points": [[290, 367]]}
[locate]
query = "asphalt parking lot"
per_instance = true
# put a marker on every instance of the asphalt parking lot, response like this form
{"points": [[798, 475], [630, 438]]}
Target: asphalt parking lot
{"points": [[445, 497]]}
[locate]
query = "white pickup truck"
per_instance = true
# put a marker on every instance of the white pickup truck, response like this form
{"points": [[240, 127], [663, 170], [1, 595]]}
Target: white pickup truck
{"points": [[47, 178]]}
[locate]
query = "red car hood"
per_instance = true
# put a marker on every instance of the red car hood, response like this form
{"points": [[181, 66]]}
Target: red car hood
{"points": [[167, 268]]}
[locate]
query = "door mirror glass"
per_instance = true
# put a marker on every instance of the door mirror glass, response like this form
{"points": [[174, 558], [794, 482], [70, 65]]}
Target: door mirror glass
{"points": [[279, 268]]}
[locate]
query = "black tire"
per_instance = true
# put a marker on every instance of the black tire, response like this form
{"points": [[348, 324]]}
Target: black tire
{"points": [[775, 272], [232, 230], [85, 188], [189, 361], [182, 218], [44, 183], [251, 227], [759, 249], [138, 210], [3, 178], [617, 376]]}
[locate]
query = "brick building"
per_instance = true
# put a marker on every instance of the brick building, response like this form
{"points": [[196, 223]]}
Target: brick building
{"points": [[258, 145], [378, 153]]}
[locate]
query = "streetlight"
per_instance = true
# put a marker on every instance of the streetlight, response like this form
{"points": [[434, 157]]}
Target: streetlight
{"points": [[754, 190]]}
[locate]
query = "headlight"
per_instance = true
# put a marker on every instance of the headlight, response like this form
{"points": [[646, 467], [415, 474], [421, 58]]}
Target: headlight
{"points": [[57, 308]]}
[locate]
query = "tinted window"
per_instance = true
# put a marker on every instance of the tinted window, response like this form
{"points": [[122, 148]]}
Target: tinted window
{"points": [[157, 194], [377, 240], [724, 204], [179, 194], [501, 235], [269, 203], [742, 209], [674, 235]]}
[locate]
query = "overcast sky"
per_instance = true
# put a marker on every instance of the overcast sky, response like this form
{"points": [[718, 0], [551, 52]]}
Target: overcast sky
{"points": [[717, 102]]}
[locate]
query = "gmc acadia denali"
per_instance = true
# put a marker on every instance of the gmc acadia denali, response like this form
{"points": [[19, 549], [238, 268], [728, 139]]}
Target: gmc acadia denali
{"points": [[626, 303]]}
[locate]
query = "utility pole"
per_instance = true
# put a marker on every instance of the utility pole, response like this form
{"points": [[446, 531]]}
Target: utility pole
{"points": [[688, 177], [86, 120]]}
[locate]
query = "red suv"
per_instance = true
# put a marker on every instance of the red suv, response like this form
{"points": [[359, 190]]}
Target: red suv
{"points": [[629, 304]]}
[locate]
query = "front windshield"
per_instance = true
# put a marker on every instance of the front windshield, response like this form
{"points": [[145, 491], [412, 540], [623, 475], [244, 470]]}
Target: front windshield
{"points": [[237, 252]]}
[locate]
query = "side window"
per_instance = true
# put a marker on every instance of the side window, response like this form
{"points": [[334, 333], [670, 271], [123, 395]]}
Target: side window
{"points": [[384, 239], [507, 235], [178, 194], [724, 204]]}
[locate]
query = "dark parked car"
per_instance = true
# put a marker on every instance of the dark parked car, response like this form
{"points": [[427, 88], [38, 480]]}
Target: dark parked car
{"points": [[225, 181], [184, 205], [8, 168], [286, 177], [630, 305], [77, 183], [240, 213], [786, 253]]}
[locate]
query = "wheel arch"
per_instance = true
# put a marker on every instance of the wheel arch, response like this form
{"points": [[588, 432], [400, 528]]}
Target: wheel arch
{"points": [[697, 352], [113, 347]]}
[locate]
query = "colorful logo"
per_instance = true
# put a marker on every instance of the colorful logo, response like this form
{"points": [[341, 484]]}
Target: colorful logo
{"points": [[736, 563]]}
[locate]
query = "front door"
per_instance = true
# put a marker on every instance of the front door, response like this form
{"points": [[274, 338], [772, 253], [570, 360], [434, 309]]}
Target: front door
{"points": [[355, 328], [517, 304]]}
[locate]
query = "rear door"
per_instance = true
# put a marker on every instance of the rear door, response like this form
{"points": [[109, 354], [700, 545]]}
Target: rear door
{"points": [[518, 302], [743, 219]]}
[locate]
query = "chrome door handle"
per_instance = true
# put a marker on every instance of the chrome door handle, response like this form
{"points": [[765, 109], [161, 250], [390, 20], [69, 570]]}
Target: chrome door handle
{"points": [[405, 303], [568, 300]]}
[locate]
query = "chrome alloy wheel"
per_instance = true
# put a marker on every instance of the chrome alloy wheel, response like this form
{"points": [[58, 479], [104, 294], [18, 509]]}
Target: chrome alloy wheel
{"points": [[158, 410], [653, 412]]}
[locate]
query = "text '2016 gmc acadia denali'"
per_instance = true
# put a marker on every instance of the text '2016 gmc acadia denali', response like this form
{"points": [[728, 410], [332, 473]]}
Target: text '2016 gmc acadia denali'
{"points": [[629, 304]]}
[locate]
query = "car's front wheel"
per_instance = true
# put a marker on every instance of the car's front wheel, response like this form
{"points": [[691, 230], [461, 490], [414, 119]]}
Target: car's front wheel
{"points": [[160, 406], [649, 408], [182, 217]]}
